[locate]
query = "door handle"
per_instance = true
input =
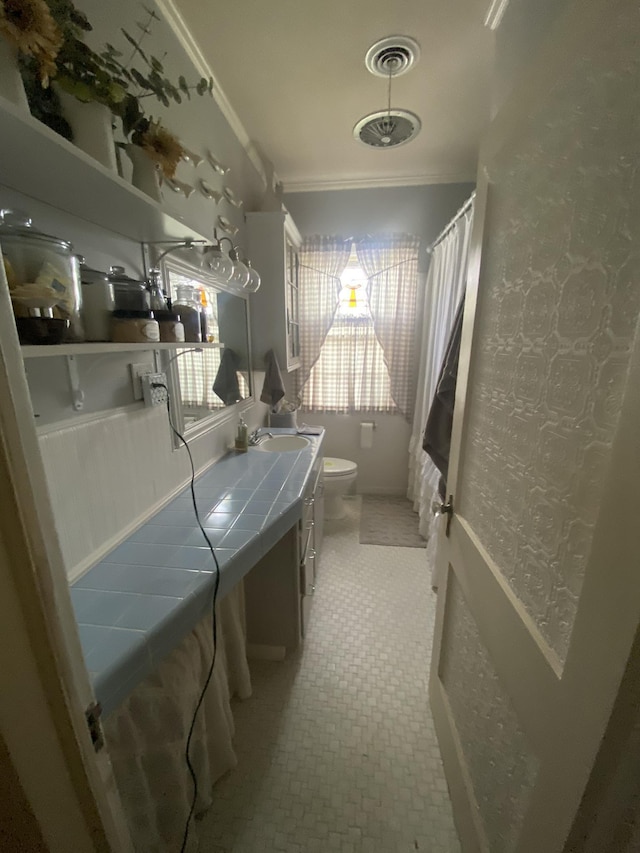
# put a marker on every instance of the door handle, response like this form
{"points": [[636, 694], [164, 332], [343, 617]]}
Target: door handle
{"points": [[440, 508]]}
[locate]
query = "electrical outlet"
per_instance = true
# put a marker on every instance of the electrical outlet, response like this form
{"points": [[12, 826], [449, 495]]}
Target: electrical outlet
{"points": [[154, 396], [137, 372]]}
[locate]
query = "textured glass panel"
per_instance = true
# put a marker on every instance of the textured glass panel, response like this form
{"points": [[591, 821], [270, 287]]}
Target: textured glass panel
{"points": [[558, 309], [500, 762]]}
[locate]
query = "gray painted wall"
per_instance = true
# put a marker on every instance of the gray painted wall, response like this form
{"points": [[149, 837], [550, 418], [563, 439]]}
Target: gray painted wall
{"points": [[382, 469], [421, 210], [518, 38], [198, 122]]}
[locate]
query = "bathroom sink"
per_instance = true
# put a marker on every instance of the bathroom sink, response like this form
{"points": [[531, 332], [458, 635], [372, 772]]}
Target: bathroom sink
{"points": [[278, 443]]}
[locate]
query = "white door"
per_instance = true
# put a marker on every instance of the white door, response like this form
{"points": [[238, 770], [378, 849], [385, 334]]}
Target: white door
{"points": [[70, 790], [541, 602]]}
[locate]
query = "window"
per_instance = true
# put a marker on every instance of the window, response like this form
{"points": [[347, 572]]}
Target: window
{"points": [[350, 375]]}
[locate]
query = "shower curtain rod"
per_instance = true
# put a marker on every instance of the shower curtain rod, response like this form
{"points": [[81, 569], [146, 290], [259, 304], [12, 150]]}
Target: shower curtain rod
{"points": [[465, 207]]}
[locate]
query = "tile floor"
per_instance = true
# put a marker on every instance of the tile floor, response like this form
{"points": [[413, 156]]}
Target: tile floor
{"points": [[336, 748]]}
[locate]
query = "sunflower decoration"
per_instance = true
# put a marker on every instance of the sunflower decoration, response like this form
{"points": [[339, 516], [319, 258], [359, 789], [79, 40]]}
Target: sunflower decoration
{"points": [[29, 26], [163, 147]]}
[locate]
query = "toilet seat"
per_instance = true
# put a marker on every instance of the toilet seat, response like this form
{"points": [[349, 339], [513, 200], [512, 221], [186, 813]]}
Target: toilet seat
{"points": [[335, 468]]}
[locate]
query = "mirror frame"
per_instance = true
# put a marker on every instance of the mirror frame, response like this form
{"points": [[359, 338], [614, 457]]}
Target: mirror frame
{"points": [[168, 360]]}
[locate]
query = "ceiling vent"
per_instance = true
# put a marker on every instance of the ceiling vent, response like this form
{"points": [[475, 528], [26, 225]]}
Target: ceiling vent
{"points": [[392, 56], [387, 128]]}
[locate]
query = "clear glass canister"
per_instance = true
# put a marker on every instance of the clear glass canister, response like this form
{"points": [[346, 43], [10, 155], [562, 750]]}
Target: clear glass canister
{"points": [[130, 294], [187, 305], [97, 303], [43, 275], [156, 293]]}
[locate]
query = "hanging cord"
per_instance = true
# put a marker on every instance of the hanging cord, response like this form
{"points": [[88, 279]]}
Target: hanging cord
{"points": [[214, 625], [389, 125]]}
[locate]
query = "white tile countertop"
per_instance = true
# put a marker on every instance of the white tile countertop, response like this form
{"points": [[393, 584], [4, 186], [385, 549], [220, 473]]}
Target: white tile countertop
{"points": [[138, 603]]}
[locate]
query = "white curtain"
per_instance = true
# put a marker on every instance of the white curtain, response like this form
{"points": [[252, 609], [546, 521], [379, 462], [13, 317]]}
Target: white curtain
{"points": [[350, 375], [321, 263], [446, 282], [391, 267], [146, 735]]}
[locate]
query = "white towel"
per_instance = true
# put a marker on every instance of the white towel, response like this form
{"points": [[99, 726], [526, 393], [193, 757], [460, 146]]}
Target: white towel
{"points": [[305, 429], [273, 387]]}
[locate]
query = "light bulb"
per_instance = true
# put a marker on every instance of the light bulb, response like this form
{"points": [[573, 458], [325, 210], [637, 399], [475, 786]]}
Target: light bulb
{"points": [[240, 275], [220, 264], [254, 279]]}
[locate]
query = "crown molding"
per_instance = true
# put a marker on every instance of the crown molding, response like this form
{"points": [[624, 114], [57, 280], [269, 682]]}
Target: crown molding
{"points": [[495, 14], [291, 187], [182, 32]]}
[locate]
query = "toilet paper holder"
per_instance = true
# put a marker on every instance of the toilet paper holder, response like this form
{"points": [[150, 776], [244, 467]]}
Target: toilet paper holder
{"points": [[367, 429]]}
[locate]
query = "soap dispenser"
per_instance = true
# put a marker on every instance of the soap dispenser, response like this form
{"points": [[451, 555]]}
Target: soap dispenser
{"points": [[242, 436]]}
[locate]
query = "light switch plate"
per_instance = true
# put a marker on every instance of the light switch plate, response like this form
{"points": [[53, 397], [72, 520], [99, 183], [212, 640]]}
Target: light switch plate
{"points": [[137, 372]]}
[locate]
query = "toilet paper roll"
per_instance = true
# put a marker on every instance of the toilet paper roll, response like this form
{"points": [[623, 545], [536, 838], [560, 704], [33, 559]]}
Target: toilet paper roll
{"points": [[366, 435]]}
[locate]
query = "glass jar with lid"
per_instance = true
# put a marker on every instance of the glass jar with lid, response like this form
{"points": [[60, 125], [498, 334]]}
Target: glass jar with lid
{"points": [[43, 277], [156, 293], [97, 302], [187, 305], [130, 294]]}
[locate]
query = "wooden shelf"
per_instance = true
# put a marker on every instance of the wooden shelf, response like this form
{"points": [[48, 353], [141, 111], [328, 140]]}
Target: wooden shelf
{"points": [[105, 348], [38, 162]]}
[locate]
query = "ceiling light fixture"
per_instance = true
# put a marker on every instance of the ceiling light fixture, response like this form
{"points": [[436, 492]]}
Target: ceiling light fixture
{"points": [[390, 57]]}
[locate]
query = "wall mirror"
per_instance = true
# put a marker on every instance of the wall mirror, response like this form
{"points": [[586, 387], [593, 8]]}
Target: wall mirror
{"points": [[207, 382]]}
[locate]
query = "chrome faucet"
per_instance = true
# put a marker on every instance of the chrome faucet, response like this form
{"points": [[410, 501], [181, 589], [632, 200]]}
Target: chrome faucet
{"points": [[255, 437]]}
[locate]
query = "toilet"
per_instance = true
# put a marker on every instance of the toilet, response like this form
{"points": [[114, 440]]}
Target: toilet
{"points": [[339, 474]]}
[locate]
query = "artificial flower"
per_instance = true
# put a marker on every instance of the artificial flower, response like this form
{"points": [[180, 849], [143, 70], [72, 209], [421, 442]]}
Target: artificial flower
{"points": [[29, 26], [161, 146]]}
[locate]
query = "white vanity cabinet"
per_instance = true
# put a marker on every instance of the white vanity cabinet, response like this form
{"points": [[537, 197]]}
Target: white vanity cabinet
{"points": [[279, 589], [273, 243]]}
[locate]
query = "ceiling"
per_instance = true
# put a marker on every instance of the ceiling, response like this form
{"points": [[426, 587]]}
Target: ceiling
{"points": [[293, 71]]}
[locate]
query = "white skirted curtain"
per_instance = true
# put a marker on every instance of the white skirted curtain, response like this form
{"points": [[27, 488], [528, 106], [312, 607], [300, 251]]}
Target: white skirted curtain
{"points": [[146, 736], [350, 375], [446, 282], [391, 267], [322, 261]]}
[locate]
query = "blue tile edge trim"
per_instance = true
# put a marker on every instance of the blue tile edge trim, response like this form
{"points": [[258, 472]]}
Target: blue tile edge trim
{"points": [[280, 479]]}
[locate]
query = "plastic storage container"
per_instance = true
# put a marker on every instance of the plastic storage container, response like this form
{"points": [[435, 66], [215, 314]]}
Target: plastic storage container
{"points": [[287, 420], [43, 277]]}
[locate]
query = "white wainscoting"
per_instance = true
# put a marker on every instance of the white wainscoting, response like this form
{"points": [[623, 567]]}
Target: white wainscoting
{"points": [[107, 475]]}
